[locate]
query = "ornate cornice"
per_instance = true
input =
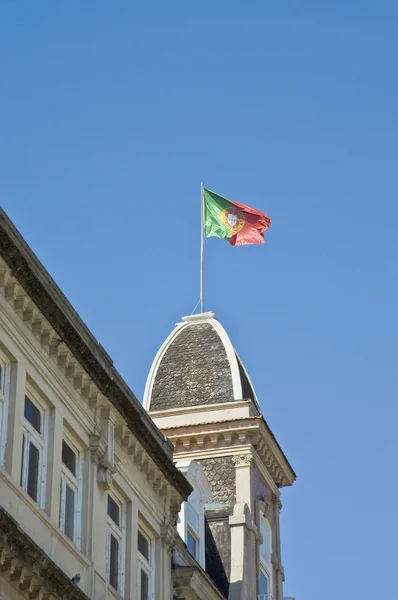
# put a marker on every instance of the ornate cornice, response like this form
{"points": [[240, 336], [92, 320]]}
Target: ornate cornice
{"points": [[110, 423], [44, 310], [272, 464], [232, 434], [28, 568]]}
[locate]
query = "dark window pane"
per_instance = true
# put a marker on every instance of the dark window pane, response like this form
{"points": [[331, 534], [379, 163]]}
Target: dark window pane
{"points": [[32, 414], [114, 563], [263, 584], [113, 510], [192, 544], [33, 472], [23, 459], [144, 586], [69, 511], [68, 457], [143, 545]]}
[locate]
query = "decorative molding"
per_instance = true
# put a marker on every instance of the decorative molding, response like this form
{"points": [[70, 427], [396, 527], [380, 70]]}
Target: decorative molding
{"points": [[276, 502], [98, 446], [191, 582], [107, 422], [206, 437], [101, 446], [174, 503], [104, 478], [266, 476], [276, 561], [232, 434], [272, 464], [199, 408], [168, 535], [203, 453], [28, 569], [242, 460], [264, 507], [48, 338]]}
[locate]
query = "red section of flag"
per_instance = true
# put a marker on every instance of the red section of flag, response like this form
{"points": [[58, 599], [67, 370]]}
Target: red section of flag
{"points": [[252, 232]]}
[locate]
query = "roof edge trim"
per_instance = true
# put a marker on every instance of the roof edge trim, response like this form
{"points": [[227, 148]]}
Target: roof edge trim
{"points": [[56, 308]]}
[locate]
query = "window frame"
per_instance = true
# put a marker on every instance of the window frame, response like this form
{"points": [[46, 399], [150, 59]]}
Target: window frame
{"points": [[201, 494], [144, 564], [119, 533], [5, 371], [40, 440], [192, 530], [265, 562], [75, 483]]}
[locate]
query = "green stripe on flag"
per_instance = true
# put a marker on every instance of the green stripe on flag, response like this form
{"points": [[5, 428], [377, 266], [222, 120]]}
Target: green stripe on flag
{"points": [[214, 222]]}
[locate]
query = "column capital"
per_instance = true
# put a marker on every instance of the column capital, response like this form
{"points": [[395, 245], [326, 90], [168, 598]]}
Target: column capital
{"points": [[242, 460]]}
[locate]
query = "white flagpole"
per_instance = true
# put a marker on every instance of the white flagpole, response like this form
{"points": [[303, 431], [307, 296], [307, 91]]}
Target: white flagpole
{"points": [[202, 243]]}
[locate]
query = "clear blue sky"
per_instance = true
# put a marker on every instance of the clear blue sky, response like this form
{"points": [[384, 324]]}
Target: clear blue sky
{"points": [[112, 113]]}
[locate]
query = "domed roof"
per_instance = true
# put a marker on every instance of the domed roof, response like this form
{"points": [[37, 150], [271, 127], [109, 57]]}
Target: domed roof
{"points": [[197, 365]]}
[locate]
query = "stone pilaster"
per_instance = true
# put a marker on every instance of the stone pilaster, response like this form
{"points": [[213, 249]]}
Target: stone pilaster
{"points": [[279, 575], [168, 536], [13, 452], [243, 480], [54, 463], [243, 582]]}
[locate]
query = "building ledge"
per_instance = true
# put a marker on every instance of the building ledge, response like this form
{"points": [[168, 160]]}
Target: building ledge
{"points": [[28, 568], [29, 280], [192, 583]]}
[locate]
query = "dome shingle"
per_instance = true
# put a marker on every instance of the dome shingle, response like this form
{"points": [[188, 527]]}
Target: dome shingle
{"points": [[196, 365]]}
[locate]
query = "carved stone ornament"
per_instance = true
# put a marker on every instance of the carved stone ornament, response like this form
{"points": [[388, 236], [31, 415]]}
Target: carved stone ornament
{"points": [[28, 569], [276, 502], [98, 446], [242, 460], [168, 535], [104, 478], [264, 506]]}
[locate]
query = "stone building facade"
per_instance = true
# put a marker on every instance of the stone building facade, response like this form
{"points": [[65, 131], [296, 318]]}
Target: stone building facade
{"points": [[89, 493], [101, 498]]}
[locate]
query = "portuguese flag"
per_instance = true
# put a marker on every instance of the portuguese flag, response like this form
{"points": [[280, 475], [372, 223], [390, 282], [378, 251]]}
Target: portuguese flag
{"points": [[237, 223]]}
